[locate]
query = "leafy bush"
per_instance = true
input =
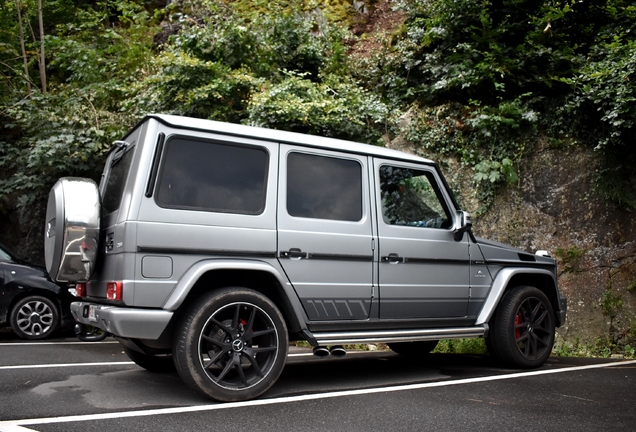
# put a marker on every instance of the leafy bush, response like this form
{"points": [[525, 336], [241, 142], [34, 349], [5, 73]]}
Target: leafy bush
{"points": [[576, 61], [490, 139], [461, 346], [186, 85], [471, 77], [331, 108], [264, 44], [54, 135], [605, 96]]}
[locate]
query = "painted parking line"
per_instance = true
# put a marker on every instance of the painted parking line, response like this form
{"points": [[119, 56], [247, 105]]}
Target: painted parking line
{"points": [[17, 344], [21, 424], [124, 363], [61, 365]]}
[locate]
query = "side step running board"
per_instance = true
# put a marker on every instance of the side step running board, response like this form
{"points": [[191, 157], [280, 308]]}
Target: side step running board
{"points": [[340, 338]]}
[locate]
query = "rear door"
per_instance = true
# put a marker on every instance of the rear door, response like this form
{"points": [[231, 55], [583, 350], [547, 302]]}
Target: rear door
{"points": [[423, 271], [325, 232]]}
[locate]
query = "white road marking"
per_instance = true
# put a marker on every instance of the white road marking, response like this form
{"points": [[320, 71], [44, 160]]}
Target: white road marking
{"points": [[17, 344], [58, 365], [10, 425]]}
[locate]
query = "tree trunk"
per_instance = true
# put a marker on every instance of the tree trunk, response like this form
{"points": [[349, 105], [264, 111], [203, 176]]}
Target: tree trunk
{"points": [[42, 64], [24, 57]]}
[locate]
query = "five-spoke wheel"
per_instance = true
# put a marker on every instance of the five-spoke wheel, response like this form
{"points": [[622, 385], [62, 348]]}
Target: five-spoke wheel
{"points": [[522, 329], [231, 345]]}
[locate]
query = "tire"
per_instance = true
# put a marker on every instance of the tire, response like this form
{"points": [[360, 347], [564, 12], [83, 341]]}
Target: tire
{"points": [[71, 232], [152, 363], [231, 345], [34, 317], [413, 348], [522, 331]]}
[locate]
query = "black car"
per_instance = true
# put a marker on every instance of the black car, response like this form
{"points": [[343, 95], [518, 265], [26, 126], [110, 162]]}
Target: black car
{"points": [[30, 303]]}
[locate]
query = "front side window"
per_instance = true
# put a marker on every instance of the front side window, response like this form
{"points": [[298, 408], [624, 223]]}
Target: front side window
{"points": [[324, 187], [212, 176], [411, 197]]}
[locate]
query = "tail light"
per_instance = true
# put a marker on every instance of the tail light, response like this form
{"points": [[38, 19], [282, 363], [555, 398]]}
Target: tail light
{"points": [[114, 290], [80, 290]]}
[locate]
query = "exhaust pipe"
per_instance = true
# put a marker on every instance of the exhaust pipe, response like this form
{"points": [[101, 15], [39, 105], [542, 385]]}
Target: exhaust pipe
{"points": [[337, 351], [321, 351]]}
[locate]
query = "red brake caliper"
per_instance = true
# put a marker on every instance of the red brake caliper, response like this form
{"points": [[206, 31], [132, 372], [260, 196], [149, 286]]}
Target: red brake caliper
{"points": [[517, 323]]}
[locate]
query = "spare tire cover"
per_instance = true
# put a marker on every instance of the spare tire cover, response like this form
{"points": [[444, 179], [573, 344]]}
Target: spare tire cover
{"points": [[71, 232]]}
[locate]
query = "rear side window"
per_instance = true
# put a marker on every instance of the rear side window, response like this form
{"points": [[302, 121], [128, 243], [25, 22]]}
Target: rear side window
{"points": [[211, 176], [119, 168], [324, 187]]}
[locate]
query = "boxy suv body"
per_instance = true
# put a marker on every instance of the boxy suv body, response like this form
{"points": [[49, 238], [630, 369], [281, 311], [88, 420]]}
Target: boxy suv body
{"points": [[208, 246]]}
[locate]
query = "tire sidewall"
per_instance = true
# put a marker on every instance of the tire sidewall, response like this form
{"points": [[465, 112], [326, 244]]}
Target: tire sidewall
{"points": [[186, 346]]}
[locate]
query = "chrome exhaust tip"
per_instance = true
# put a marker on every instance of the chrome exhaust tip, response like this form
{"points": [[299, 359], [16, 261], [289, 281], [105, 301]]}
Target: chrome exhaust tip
{"points": [[321, 351], [338, 351]]}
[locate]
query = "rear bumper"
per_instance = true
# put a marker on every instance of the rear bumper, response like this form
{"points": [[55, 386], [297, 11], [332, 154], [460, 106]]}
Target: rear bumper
{"points": [[124, 322]]}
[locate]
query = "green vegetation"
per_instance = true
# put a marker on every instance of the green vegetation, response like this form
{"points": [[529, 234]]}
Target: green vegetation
{"points": [[610, 302], [603, 348], [570, 258], [479, 81], [462, 346]]}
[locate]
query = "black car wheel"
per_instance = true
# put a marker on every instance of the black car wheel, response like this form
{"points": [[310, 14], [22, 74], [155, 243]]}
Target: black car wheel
{"points": [[34, 317], [231, 345], [522, 332]]}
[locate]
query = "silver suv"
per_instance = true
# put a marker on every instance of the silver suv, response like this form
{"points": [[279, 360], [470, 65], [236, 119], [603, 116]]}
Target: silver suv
{"points": [[209, 246]]}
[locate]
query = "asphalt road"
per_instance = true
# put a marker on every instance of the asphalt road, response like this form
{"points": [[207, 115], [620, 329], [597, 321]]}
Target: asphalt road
{"points": [[65, 385]]}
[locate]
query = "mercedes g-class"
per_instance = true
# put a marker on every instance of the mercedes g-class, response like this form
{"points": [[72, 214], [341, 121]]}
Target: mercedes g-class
{"points": [[208, 246]]}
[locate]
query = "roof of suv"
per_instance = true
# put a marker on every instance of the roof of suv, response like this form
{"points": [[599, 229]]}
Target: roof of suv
{"points": [[284, 137]]}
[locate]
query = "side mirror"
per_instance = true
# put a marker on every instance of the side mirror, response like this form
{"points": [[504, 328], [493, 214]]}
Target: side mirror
{"points": [[463, 223]]}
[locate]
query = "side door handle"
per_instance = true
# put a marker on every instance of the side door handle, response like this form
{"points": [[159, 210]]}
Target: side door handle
{"points": [[294, 253], [392, 258]]}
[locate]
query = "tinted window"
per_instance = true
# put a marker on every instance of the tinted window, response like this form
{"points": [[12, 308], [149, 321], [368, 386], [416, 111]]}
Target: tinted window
{"points": [[324, 187], [120, 165], [411, 197], [206, 175]]}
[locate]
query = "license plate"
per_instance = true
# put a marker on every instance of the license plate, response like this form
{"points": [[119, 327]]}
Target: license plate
{"points": [[91, 314]]}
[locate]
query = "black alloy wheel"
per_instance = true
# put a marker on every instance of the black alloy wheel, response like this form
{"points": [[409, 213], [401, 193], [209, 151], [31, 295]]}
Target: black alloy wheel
{"points": [[522, 331], [231, 345]]}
